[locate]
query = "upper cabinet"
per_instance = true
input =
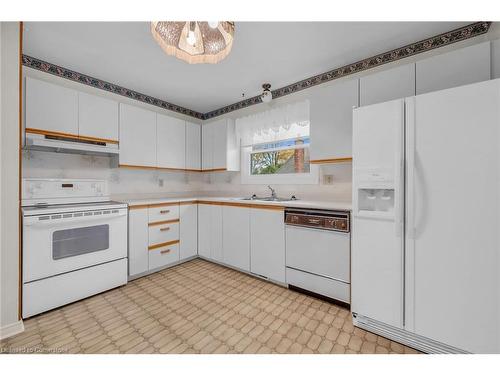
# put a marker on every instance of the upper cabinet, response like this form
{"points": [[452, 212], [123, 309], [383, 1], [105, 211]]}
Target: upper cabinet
{"points": [[220, 149], [170, 142], [137, 136], [331, 121], [456, 68], [51, 108], [193, 146], [97, 117], [395, 83]]}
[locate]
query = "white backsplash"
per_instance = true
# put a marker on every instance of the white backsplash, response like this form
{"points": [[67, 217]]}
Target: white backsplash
{"points": [[131, 183]]}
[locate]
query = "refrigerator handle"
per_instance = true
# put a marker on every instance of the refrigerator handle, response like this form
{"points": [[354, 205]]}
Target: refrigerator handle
{"points": [[410, 167], [399, 176]]}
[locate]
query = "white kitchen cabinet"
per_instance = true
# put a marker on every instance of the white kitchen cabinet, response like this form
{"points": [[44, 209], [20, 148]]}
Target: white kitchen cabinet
{"points": [[495, 59], [210, 231], [395, 83], [193, 146], [51, 108], [331, 120], [97, 117], [220, 148], [204, 230], [456, 68], [207, 146], [188, 230], [138, 257], [170, 142], [267, 239], [236, 236], [137, 136]]}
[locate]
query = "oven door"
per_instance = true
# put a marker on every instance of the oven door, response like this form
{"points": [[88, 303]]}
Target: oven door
{"points": [[55, 244]]}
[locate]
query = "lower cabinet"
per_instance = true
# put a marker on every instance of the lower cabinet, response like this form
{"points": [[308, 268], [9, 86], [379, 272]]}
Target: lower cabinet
{"points": [[267, 239], [138, 242], [188, 213], [210, 231], [236, 236]]}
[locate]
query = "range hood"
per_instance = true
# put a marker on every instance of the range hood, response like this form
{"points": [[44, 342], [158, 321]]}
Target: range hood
{"points": [[66, 145]]}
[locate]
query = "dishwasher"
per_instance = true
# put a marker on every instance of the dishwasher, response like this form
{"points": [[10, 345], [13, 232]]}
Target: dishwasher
{"points": [[318, 252]]}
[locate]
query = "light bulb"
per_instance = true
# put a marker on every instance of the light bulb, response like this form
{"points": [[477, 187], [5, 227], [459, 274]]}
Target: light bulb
{"points": [[191, 39], [213, 24]]}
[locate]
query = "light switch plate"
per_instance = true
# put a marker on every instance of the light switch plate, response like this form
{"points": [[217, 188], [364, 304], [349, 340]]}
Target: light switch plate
{"points": [[328, 179]]}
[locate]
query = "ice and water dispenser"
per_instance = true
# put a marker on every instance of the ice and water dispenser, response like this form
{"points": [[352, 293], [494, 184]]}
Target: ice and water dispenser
{"points": [[375, 191]]}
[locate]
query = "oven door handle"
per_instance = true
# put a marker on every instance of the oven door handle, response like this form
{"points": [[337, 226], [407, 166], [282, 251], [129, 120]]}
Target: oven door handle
{"points": [[33, 221]]}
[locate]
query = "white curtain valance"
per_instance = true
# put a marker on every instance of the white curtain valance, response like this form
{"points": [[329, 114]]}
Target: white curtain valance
{"points": [[276, 124]]}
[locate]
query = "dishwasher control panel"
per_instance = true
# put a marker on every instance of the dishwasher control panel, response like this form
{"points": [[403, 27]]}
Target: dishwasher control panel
{"points": [[319, 219]]}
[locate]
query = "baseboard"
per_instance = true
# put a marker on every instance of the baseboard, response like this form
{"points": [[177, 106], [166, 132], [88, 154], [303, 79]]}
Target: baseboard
{"points": [[11, 329]]}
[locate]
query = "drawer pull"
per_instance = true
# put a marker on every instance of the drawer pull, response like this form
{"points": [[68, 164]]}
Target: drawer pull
{"points": [[164, 212], [164, 229], [163, 252]]}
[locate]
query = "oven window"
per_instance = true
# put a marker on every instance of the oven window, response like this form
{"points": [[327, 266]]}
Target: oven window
{"points": [[77, 241]]}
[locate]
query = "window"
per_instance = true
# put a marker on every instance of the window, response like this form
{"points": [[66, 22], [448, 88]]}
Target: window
{"points": [[275, 146], [283, 157]]}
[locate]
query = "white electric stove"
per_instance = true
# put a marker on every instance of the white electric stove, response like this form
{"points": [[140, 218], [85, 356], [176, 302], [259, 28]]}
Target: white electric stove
{"points": [[74, 242]]}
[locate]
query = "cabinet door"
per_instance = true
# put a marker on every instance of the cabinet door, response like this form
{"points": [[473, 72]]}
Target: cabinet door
{"points": [[97, 117], [138, 258], [331, 120], [207, 146], [216, 244], [188, 230], [193, 146], [51, 107], [170, 142], [456, 68], [236, 236], [395, 83], [220, 144], [204, 231], [495, 59], [137, 136], [267, 239]]}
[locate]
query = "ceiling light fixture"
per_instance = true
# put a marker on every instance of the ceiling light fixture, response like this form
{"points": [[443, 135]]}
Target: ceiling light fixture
{"points": [[267, 95], [195, 42]]}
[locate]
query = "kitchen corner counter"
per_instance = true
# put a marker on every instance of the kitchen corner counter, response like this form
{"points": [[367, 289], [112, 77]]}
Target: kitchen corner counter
{"points": [[324, 205]]}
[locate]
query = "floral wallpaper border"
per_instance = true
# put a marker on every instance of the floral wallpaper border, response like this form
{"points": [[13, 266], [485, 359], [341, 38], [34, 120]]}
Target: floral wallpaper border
{"points": [[463, 33]]}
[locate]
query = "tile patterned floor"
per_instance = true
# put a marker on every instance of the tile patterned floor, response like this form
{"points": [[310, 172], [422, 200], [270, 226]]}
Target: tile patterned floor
{"points": [[198, 307]]}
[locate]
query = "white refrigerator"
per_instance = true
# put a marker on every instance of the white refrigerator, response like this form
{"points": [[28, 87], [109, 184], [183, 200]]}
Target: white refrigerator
{"points": [[426, 219]]}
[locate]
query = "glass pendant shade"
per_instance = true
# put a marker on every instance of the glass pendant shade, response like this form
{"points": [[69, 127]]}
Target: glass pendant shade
{"points": [[195, 42]]}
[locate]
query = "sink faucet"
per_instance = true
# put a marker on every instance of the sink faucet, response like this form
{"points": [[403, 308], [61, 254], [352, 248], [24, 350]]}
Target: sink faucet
{"points": [[273, 192]]}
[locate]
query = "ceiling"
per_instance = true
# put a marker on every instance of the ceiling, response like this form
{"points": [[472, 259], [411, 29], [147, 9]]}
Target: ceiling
{"points": [[281, 53]]}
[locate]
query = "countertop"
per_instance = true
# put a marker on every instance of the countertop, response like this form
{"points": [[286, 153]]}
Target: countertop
{"points": [[326, 205]]}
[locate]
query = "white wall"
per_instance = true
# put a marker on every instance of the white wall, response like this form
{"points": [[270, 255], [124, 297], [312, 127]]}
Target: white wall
{"points": [[9, 177]]}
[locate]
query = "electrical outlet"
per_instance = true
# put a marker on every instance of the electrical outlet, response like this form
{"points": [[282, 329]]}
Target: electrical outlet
{"points": [[160, 182], [328, 179]]}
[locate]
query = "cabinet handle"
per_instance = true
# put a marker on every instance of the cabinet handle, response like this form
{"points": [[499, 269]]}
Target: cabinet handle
{"points": [[164, 229], [164, 212], [163, 252]]}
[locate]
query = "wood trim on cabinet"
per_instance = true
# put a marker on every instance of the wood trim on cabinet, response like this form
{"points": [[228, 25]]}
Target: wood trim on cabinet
{"points": [[158, 245], [130, 166], [163, 222], [185, 203], [163, 204], [214, 170], [69, 135], [138, 207], [331, 161]]}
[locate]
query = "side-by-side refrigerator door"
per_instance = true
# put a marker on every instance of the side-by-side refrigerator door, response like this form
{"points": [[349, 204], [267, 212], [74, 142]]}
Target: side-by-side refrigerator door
{"points": [[377, 217], [453, 222]]}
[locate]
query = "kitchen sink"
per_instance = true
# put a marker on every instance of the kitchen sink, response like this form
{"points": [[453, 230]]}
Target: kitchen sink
{"points": [[269, 199]]}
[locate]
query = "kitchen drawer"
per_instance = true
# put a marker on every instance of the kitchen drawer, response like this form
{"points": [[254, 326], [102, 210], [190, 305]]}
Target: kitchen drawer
{"points": [[322, 252], [321, 285], [163, 256], [162, 213], [165, 232]]}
